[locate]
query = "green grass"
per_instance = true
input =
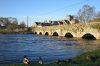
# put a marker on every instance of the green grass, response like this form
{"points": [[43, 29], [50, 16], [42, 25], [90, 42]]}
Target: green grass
{"points": [[77, 61], [3, 31], [82, 59], [96, 26]]}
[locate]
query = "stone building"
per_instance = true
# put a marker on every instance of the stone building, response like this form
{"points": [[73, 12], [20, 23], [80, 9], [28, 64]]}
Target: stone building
{"points": [[71, 20]]}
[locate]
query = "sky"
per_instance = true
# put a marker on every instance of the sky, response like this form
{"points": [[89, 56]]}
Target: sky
{"points": [[41, 10]]}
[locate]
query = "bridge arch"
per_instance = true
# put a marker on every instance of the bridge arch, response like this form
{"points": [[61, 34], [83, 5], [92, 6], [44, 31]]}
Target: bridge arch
{"points": [[40, 33], [68, 35], [47, 33], [55, 34], [35, 32], [88, 36]]}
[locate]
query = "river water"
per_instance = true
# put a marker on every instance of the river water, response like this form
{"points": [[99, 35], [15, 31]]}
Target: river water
{"points": [[50, 49]]}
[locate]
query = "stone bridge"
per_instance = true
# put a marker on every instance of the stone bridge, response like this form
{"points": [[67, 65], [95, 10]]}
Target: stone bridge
{"points": [[74, 30]]}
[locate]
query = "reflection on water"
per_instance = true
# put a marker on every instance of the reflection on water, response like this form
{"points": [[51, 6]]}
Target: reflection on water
{"points": [[14, 47]]}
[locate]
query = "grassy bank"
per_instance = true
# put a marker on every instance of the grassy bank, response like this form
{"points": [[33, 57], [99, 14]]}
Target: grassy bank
{"points": [[87, 59], [95, 25], [14, 32]]}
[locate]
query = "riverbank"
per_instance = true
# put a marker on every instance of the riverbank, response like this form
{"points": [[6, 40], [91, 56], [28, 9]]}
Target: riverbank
{"points": [[86, 59], [14, 32]]}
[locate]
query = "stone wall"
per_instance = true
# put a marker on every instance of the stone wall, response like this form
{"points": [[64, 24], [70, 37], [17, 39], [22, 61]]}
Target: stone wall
{"points": [[76, 30]]}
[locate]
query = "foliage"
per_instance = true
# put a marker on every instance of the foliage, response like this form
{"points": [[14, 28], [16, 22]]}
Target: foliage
{"points": [[22, 25], [11, 24]]}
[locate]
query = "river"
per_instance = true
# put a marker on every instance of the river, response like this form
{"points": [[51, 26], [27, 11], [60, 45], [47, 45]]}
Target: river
{"points": [[14, 46]]}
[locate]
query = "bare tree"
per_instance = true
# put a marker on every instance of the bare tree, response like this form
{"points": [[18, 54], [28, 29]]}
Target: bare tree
{"points": [[4, 20], [22, 25], [9, 22], [86, 13], [97, 15], [13, 23]]}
